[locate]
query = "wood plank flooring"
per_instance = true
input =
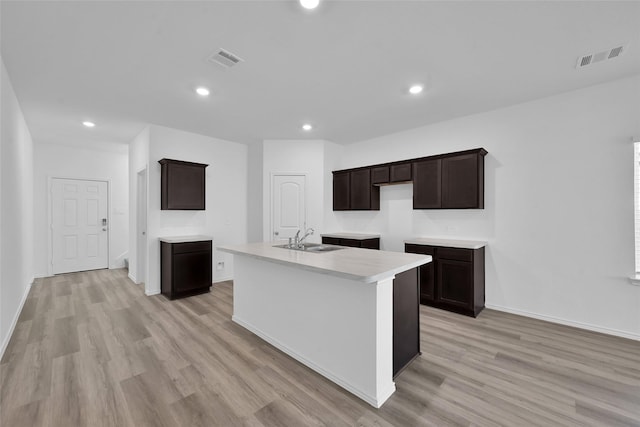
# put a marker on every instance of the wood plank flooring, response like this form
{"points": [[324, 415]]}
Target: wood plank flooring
{"points": [[90, 349]]}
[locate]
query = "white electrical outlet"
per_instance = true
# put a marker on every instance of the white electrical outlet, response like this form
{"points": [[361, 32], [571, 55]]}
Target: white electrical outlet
{"points": [[220, 265]]}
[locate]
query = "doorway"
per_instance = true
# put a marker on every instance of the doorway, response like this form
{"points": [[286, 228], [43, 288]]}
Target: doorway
{"points": [[288, 205], [79, 225], [141, 227]]}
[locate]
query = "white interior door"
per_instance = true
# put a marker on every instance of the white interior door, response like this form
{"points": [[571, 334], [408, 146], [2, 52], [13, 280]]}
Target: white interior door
{"points": [[288, 205], [141, 243], [79, 227]]}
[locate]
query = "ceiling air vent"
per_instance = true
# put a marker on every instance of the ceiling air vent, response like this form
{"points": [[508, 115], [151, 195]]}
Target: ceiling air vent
{"points": [[224, 58], [592, 58]]}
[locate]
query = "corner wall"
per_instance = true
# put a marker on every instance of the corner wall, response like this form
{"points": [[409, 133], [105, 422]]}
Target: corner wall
{"points": [[61, 161], [295, 156], [225, 217], [559, 212], [138, 161], [16, 209]]}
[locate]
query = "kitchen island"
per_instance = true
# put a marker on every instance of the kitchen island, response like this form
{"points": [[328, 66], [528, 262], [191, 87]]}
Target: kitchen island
{"points": [[333, 311]]}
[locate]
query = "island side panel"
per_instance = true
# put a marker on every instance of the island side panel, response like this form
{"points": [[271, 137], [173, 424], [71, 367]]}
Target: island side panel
{"points": [[340, 328]]}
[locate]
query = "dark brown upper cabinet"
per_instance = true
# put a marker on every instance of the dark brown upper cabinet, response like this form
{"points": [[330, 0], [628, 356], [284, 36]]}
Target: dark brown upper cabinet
{"points": [[450, 181], [380, 175], [341, 190], [400, 172], [427, 190], [353, 190], [182, 185], [363, 195], [463, 181], [445, 181]]}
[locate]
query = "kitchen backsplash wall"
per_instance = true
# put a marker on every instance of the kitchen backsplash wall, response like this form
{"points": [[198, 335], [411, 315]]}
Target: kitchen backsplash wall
{"points": [[558, 203]]}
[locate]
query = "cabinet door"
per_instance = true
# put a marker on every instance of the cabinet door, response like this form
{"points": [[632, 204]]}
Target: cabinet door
{"points": [[460, 182], [454, 285], [182, 185], [380, 175], [427, 282], [191, 270], [401, 173], [341, 187], [426, 184], [427, 271], [360, 196]]}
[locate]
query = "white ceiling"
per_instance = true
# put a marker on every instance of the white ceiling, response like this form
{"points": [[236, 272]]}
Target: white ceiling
{"points": [[345, 68]]}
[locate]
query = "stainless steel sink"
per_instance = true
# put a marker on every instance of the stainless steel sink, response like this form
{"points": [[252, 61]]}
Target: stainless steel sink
{"points": [[312, 247]]}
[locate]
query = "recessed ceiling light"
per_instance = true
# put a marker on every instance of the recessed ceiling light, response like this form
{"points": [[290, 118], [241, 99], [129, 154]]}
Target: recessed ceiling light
{"points": [[202, 91], [89, 124], [415, 89], [307, 127], [309, 4]]}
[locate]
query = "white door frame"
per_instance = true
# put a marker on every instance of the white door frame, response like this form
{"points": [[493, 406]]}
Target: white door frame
{"points": [[50, 179], [141, 242], [272, 177]]}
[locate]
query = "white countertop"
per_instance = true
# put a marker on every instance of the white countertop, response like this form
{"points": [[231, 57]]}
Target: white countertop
{"points": [[449, 243], [364, 265], [184, 239], [354, 236]]}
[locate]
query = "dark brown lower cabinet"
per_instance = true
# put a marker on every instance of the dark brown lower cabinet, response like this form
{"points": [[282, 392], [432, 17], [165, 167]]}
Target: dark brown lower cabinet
{"points": [[185, 268], [406, 319], [353, 243], [454, 280]]}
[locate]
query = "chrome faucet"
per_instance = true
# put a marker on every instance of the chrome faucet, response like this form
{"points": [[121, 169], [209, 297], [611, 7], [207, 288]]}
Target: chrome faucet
{"points": [[299, 240]]}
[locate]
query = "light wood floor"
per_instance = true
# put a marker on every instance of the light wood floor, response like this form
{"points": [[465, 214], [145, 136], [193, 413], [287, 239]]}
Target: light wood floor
{"points": [[91, 350]]}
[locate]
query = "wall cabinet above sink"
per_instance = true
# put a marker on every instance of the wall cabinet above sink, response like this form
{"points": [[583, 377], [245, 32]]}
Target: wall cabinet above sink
{"points": [[445, 181]]}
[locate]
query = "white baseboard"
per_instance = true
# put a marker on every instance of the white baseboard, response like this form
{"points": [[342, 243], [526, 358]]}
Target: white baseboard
{"points": [[5, 340], [222, 279], [119, 261], [132, 278], [566, 322], [371, 400], [152, 292]]}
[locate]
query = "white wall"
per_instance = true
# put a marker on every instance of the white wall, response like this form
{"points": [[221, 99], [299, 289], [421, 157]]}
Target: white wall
{"points": [[558, 203], [225, 217], [254, 193], [16, 209], [61, 161], [295, 156]]}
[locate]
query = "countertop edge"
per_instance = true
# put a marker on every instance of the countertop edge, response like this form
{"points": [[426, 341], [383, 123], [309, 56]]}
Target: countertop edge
{"points": [[355, 277], [450, 243], [353, 236], [185, 239]]}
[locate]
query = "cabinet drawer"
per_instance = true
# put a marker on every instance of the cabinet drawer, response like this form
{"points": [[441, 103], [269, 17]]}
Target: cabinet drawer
{"points": [[419, 249], [181, 248], [353, 243], [331, 241], [370, 243], [456, 254]]}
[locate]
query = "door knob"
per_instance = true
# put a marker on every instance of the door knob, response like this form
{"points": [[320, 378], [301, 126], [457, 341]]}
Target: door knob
{"points": [[276, 233]]}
